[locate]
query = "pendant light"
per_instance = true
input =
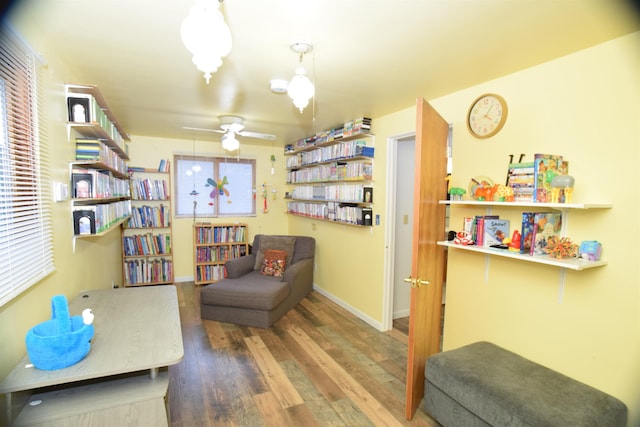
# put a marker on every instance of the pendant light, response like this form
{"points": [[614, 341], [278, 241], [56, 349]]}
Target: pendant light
{"points": [[206, 35], [300, 88]]}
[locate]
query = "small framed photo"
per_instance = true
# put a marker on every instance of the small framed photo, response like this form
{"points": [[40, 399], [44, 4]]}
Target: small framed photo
{"points": [[367, 195]]}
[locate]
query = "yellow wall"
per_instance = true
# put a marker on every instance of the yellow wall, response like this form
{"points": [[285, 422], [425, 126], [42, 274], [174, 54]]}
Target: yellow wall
{"points": [[586, 107]]}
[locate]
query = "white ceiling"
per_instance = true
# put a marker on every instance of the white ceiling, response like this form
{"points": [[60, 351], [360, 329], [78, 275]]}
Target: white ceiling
{"points": [[370, 58]]}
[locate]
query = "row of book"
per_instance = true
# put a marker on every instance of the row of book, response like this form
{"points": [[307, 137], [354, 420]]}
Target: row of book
{"points": [[97, 184], [332, 172], [343, 150], [487, 230], [149, 189], [531, 181], [92, 219], [94, 150], [361, 125], [83, 108], [147, 244], [536, 230], [219, 253], [332, 211], [212, 235], [210, 273], [354, 193], [141, 271], [150, 217]]}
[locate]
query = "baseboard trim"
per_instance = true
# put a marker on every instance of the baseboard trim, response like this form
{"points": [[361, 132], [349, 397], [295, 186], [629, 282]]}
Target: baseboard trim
{"points": [[362, 316]]}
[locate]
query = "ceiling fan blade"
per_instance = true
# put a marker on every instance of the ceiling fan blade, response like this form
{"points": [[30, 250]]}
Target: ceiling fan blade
{"points": [[203, 130], [258, 135]]}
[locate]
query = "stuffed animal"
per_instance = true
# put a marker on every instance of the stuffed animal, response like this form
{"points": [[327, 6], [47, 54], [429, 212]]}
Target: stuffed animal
{"points": [[62, 341]]}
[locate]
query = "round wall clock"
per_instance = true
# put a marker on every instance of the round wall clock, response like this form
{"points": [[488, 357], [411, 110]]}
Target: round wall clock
{"points": [[487, 115]]}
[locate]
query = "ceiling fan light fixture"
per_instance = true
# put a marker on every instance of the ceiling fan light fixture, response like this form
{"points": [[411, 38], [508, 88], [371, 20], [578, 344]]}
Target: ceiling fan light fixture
{"points": [[230, 142], [233, 124], [301, 88], [206, 35]]}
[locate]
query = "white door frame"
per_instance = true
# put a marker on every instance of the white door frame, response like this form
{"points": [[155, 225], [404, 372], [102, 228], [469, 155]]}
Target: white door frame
{"points": [[389, 232]]}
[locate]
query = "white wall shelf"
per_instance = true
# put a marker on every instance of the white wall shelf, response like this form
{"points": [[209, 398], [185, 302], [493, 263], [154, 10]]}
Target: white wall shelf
{"points": [[571, 264]]}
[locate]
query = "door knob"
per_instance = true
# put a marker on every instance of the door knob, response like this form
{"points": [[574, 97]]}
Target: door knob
{"points": [[416, 282]]}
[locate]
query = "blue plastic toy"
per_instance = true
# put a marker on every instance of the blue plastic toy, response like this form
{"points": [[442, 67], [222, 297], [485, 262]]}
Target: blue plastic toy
{"points": [[60, 342]]}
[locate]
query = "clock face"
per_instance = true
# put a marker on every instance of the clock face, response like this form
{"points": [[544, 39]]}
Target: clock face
{"points": [[487, 115]]}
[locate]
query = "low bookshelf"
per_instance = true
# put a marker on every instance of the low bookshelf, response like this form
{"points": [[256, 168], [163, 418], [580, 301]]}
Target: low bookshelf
{"points": [[214, 244]]}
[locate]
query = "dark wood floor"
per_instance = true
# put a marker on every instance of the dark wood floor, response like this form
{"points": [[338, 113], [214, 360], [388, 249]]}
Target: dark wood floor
{"points": [[318, 366]]}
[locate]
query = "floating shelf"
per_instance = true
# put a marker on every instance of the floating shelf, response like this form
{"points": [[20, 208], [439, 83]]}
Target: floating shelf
{"points": [[572, 263]]}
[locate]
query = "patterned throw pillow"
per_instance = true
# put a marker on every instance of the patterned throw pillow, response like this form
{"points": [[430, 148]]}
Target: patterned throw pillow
{"points": [[280, 243], [274, 263]]}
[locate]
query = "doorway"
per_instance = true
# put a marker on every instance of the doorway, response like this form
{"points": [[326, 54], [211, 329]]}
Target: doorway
{"points": [[403, 225], [399, 228]]}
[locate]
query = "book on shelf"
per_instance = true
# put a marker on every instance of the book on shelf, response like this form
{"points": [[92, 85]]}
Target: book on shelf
{"points": [[477, 230], [163, 166], [495, 231], [526, 232], [545, 226], [520, 178], [546, 167]]}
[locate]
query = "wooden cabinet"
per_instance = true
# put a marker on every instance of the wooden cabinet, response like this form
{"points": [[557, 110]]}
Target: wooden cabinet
{"points": [[214, 244], [98, 176], [332, 180], [564, 208], [147, 239]]}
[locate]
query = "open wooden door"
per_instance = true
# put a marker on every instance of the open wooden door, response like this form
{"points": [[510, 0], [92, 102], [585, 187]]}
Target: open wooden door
{"points": [[428, 259]]}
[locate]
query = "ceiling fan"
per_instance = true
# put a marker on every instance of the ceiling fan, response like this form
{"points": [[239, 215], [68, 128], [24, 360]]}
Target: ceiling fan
{"points": [[230, 126]]}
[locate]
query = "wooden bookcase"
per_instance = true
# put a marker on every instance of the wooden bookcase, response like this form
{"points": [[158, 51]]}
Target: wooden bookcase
{"points": [[147, 239], [214, 244], [332, 180], [98, 176]]}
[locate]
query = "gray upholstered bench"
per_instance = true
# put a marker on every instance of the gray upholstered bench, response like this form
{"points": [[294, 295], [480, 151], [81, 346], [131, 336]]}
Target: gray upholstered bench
{"points": [[482, 384]]}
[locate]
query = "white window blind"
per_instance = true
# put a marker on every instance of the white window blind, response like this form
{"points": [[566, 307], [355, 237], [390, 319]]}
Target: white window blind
{"points": [[26, 252]]}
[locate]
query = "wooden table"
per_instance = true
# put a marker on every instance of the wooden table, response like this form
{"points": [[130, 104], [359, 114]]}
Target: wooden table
{"points": [[137, 332]]}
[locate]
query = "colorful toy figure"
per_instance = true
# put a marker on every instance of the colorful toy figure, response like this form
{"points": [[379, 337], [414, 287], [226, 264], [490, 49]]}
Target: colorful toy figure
{"points": [[514, 244], [591, 250], [456, 193], [503, 193], [218, 189]]}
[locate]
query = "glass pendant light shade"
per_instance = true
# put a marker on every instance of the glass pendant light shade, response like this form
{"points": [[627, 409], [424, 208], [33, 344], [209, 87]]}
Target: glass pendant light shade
{"points": [[206, 35], [300, 88], [230, 142]]}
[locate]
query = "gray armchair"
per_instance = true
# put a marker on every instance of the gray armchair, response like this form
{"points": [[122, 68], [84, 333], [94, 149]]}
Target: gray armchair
{"points": [[247, 297]]}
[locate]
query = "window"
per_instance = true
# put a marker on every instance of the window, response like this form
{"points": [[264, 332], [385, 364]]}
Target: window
{"points": [[26, 252], [214, 186]]}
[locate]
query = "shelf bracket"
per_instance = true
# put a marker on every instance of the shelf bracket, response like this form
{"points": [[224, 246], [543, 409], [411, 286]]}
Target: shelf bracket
{"points": [[563, 274], [486, 268]]}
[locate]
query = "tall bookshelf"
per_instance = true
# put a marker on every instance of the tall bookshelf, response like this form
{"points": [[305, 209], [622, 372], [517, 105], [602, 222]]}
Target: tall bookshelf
{"points": [[98, 175], [332, 176], [214, 244], [147, 239]]}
